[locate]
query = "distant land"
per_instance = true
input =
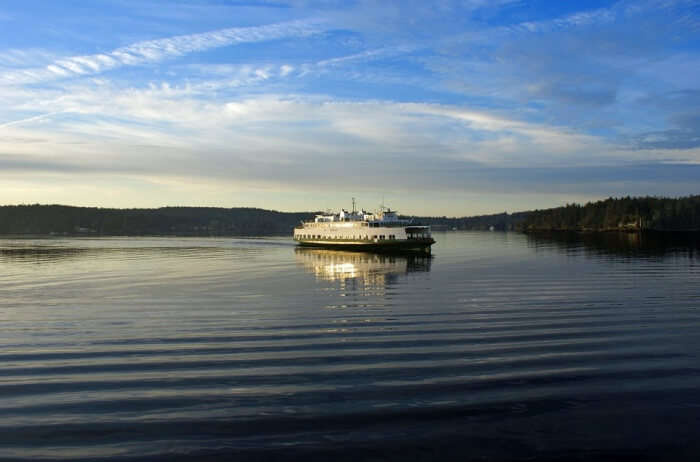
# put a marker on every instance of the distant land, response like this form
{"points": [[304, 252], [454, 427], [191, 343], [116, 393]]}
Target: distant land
{"points": [[613, 214], [621, 214], [176, 221]]}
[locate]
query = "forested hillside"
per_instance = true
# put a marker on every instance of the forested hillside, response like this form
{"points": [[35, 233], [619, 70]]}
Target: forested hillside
{"points": [[500, 222], [201, 221], [621, 214]]}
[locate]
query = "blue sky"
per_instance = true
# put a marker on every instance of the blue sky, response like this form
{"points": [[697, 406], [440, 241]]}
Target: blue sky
{"points": [[444, 108]]}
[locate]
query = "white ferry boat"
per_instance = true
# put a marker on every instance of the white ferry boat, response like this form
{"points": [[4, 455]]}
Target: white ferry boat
{"points": [[380, 231]]}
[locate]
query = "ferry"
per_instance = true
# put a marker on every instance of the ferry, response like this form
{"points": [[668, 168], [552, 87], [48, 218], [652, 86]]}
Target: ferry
{"points": [[365, 231]]}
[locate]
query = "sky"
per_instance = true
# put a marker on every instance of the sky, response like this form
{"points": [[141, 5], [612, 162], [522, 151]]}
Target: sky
{"points": [[445, 107]]}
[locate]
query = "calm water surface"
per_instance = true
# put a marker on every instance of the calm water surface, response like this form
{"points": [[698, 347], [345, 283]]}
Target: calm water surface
{"points": [[500, 347]]}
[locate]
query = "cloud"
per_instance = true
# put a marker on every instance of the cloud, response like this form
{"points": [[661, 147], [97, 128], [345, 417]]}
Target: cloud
{"points": [[579, 19], [367, 55], [686, 135], [28, 119], [678, 125], [164, 136], [13, 58], [156, 50], [268, 137], [669, 139], [581, 91]]}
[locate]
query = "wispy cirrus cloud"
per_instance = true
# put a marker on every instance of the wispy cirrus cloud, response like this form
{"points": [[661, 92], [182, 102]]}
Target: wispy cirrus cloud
{"points": [[368, 55], [14, 58], [621, 10], [580, 19], [150, 51]]}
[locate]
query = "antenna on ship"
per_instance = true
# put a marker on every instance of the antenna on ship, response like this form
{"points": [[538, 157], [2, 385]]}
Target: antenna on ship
{"points": [[353, 206]]}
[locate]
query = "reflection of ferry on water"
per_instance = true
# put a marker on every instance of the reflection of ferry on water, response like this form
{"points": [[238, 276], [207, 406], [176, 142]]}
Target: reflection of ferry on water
{"points": [[381, 231], [336, 265]]}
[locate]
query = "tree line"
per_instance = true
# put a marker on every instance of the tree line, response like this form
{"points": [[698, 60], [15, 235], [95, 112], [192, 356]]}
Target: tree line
{"points": [[619, 214], [612, 214], [181, 221], [498, 222]]}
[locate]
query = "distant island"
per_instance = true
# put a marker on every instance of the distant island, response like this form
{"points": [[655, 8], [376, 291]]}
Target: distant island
{"points": [[613, 214], [174, 221], [621, 214]]}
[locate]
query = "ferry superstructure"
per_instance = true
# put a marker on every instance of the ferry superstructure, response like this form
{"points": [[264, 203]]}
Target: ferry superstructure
{"points": [[380, 231]]}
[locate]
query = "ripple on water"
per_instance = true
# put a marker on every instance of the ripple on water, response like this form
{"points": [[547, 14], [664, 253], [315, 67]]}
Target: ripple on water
{"points": [[500, 344]]}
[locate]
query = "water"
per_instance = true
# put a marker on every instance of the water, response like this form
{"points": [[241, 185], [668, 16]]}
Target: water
{"points": [[500, 347]]}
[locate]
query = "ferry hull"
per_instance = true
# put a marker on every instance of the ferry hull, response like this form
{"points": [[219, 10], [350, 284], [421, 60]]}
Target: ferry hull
{"points": [[413, 245]]}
